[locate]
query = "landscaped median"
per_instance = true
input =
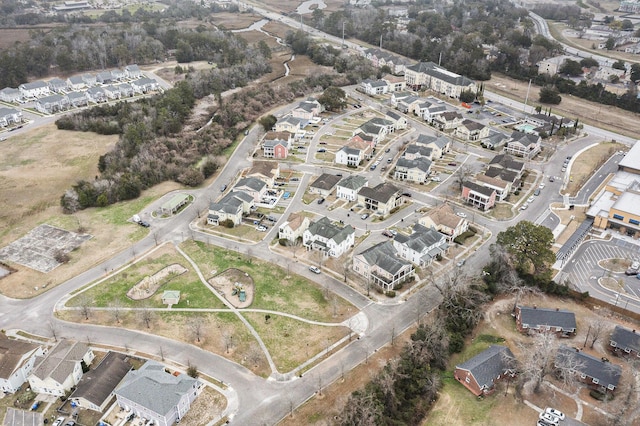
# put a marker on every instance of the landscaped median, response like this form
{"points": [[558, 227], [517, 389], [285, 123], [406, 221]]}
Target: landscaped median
{"points": [[134, 298]]}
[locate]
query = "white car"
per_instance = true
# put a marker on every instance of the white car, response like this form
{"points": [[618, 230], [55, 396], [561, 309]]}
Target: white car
{"points": [[555, 413], [314, 269], [261, 228], [549, 418], [462, 215], [58, 421], [541, 186], [435, 179], [530, 200], [524, 206]]}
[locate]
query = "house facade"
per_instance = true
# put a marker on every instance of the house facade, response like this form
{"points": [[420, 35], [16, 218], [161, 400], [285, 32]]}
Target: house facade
{"points": [[597, 373], [470, 130], [153, 394], [625, 342], [61, 369], [440, 145], [324, 184], [9, 94], [447, 121], [380, 199], [422, 246], [294, 227], [479, 196], [52, 104], [525, 145], [17, 361], [329, 238], [534, 319], [348, 156], [444, 220], [481, 373], [9, 116], [415, 170], [374, 87], [34, 89], [253, 186], [231, 207], [348, 188], [381, 266], [428, 75]]}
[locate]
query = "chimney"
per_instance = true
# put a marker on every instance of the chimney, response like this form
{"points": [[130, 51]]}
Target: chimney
{"points": [[557, 309]]}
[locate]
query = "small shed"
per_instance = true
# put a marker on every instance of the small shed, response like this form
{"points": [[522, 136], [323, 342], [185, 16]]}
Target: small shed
{"points": [[171, 297], [174, 204]]}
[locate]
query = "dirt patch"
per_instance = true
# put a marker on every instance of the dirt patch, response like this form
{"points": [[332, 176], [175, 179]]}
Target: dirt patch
{"points": [[584, 166], [603, 116], [148, 286], [615, 265], [231, 283], [205, 408]]}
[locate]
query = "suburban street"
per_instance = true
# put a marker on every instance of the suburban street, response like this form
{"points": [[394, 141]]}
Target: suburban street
{"points": [[254, 400]]}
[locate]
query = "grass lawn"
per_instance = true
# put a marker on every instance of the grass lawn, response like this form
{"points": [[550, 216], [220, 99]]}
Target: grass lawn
{"points": [[114, 290], [587, 163], [291, 342], [274, 290], [501, 211]]}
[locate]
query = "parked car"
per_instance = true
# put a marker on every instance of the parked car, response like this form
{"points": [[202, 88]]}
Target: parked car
{"points": [[393, 232], [524, 206], [633, 269], [364, 216], [321, 200], [144, 224], [373, 167], [460, 263], [322, 143], [453, 164], [271, 219], [387, 234], [541, 186], [389, 160], [546, 417], [530, 199], [58, 421], [261, 228], [406, 194], [436, 179], [70, 423], [322, 150], [536, 192], [387, 150], [555, 413], [551, 179], [314, 269], [223, 188], [462, 215]]}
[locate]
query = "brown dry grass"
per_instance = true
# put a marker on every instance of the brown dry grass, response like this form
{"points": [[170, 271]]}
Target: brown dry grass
{"points": [[604, 116], [10, 36], [205, 408], [585, 165], [233, 21]]}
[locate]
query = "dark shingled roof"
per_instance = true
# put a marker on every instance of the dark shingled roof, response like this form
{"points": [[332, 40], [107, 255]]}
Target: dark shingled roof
{"points": [[625, 339], [488, 365], [11, 352], [384, 255], [608, 374], [97, 384], [326, 181], [535, 317], [479, 188], [381, 193], [506, 161]]}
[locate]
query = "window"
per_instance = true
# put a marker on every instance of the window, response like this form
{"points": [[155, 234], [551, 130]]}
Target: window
{"points": [[618, 217], [634, 222], [596, 381], [467, 380]]}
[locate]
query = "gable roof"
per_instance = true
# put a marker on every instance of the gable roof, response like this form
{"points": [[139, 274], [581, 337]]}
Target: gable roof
{"points": [[444, 215], [277, 136], [608, 374], [384, 256], [421, 163], [488, 365], [324, 228], [496, 182], [393, 115], [325, 181], [504, 174], [535, 317], [421, 150], [154, 389], [525, 139], [440, 73], [450, 115], [353, 182], [479, 188], [440, 142], [11, 353], [472, 125], [507, 161], [60, 361], [251, 182], [625, 339], [421, 238], [231, 202], [97, 384], [350, 150], [381, 193], [294, 221]]}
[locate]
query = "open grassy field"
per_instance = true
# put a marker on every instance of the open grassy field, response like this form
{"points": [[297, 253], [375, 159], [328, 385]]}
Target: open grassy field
{"points": [[585, 165]]}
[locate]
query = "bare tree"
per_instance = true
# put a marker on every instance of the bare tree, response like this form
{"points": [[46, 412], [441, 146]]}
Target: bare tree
{"points": [[295, 245], [626, 409], [254, 354], [196, 325], [54, 331], [116, 309], [463, 174], [567, 368], [333, 300], [146, 316], [85, 302], [362, 410], [537, 360], [227, 339], [595, 331]]}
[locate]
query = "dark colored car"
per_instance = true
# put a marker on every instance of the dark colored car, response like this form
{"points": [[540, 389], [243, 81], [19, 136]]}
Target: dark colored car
{"points": [[321, 200], [144, 224], [406, 194]]}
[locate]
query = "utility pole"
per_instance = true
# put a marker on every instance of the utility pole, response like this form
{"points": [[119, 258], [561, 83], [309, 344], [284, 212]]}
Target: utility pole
{"points": [[380, 41], [526, 99], [342, 34]]}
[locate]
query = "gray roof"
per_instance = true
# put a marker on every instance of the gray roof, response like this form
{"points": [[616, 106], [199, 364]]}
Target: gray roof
{"points": [[324, 228], [326, 181], [402, 95], [132, 67], [76, 95], [353, 182], [387, 56], [472, 125], [394, 115], [525, 139], [381, 193], [76, 79], [231, 202], [95, 91], [421, 238], [375, 83], [4, 112], [496, 138], [632, 158], [535, 317], [440, 141], [384, 255], [56, 82], [625, 339], [508, 162], [273, 142], [380, 122], [421, 150], [371, 128], [440, 73], [34, 85], [154, 389], [252, 183], [10, 91], [479, 188], [145, 81], [11, 353], [420, 163], [60, 361], [51, 99], [606, 372], [104, 75], [488, 365], [349, 150], [97, 384], [504, 174], [450, 115]]}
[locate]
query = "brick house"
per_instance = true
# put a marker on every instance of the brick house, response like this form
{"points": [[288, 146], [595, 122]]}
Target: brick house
{"points": [[597, 373], [481, 373], [625, 342], [479, 196], [557, 321]]}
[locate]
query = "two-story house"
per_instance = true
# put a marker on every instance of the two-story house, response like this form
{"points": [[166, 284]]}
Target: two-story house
{"points": [[252, 186], [412, 170], [95, 390], [17, 359], [34, 89], [348, 187], [56, 372], [625, 342], [380, 199], [444, 220], [479, 196], [525, 145], [422, 246], [374, 87], [380, 266], [329, 238], [289, 124], [447, 121], [10, 116], [470, 130], [324, 184], [231, 208], [276, 144], [294, 227], [440, 144]]}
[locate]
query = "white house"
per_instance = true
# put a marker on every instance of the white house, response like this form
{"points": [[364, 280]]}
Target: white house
{"points": [[440, 145], [231, 207], [374, 87], [34, 89], [422, 246], [289, 124], [96, 94], [78, 99], [58, 85], [132, 71], [444, 220], [381, 266], [9, 94], [61, 369], [525, 145], [349, 156], [294, 227], [331, 239], [17, 359], [10, 116], [145, 85], [428, 75], [156, 395], [76, 82], [348, 188], [52, 104], [412, 170]]}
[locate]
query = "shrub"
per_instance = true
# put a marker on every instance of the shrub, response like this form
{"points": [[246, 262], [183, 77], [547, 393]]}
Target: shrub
{"points": [[390, 293], [227, 223], [283, 242]]}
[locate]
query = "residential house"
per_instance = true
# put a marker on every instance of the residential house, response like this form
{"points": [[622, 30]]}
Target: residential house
{"points": [[95, 389], [294, 227], [479, 196], [413, 151], [364, 142], [625, 342], [430, 113], [422, 246], [145, 85], [17, 359], [422, 107], [10, 116], [444, 220], [408, 104], [377, 128], [557, 321], [347, 188], [276, 144], [509, 176], [380, 266], [9, 94], [597, 373], [399, 121], [266, 171], [252, 186], [349, 156], [412, 170], [374, 87], [324, 184], [331, 239], [61, 369], [89, 79], [231, 207], [105, 77], [52, 104], [78, 99], [289, 124], [380, 199], [605, 74], [440, 145], [34, 89], [132, 71], [76, 82], [481, 373], [525, 145], [96, 94], [395, 83], [553, 65], [428, 75], [126, 90], [58, 85], [507, 162], [112, 91], [118, 74], [380, 58], [448, 120], [156, 395], [470, 130], [306, 110], [495, 140], [501, 187]]}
